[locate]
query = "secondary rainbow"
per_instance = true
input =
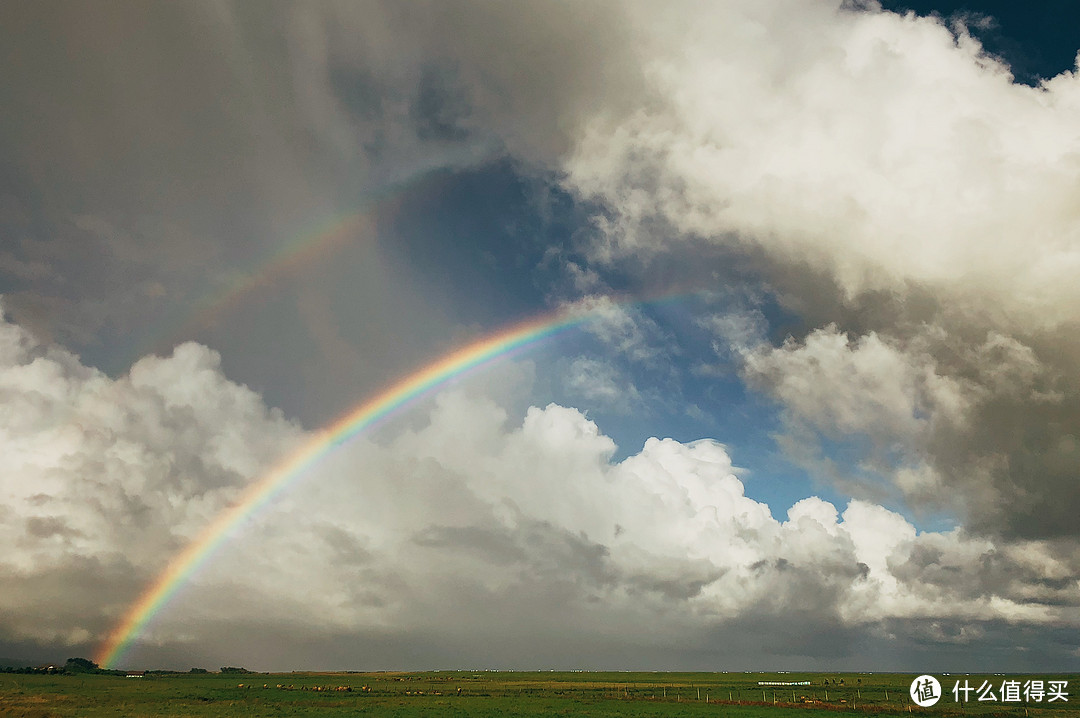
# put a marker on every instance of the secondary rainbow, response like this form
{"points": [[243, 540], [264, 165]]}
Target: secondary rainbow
{"points": [[318, 241], [263, 491]]}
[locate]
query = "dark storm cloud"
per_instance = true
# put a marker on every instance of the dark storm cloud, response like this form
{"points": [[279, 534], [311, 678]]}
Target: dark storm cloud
{"points": [[61, 603], [138, 143], [159, 159], [1011, 572], [990, 417]]}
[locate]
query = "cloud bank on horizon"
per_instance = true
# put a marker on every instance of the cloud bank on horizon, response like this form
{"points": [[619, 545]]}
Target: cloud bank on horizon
{"points": [[897, 217], [473, 508]]}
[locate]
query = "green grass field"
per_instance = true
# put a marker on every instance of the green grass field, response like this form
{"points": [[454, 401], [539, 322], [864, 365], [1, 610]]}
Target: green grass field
{"points": [[481, 694]]}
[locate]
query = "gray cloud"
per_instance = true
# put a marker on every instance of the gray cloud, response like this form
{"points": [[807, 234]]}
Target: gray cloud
{"points": [[159, 160], [981, 425]]}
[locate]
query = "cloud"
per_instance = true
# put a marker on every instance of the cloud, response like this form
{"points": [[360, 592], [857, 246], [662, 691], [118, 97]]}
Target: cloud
{"points": [[159, 158], [984, 429], [479, 525], [866, 385], [104, 477], [877, 175], [882, 149], [474, 526], [624, 329], [600, 384], [889, 185]]}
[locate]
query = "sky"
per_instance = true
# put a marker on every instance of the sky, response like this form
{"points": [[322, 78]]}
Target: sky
{"points": [[822, 412]]}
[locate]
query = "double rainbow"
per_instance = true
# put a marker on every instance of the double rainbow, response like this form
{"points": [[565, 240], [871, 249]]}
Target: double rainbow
{"points": [[294, 466]]}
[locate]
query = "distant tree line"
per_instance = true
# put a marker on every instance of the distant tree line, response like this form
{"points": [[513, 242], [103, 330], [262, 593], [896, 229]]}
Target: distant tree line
{"points": [[73, 666], [83, 666]]}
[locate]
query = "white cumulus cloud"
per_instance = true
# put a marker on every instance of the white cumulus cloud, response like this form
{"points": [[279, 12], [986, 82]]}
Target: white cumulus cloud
{"points": [[476, 528]]}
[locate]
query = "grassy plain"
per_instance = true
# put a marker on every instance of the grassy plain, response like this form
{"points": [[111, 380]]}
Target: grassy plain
{"points": [[469, 694]]}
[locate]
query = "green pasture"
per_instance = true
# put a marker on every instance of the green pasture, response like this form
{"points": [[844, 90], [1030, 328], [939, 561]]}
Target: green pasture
{"points": [[470, 694]]}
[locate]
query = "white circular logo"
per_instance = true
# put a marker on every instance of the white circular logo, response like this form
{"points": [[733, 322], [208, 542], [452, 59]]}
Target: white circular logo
{"points": [[925, 691]]}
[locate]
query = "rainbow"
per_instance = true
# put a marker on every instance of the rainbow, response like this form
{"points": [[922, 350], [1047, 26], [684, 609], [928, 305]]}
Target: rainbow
{"points": [[318, 241], [297, 464]]}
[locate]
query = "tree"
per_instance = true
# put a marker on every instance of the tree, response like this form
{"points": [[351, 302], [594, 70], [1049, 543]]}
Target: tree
{"points": [[80, 665]]}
